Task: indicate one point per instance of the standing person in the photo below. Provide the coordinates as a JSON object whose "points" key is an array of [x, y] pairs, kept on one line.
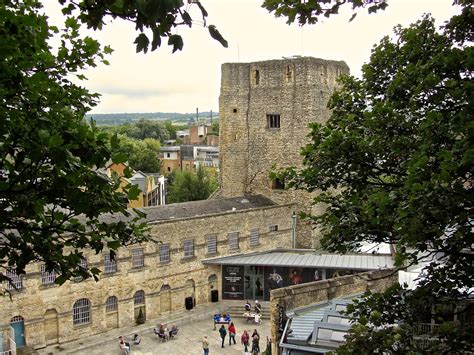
{"points": [[231, 333], [255, 342], [205, 345], [223, 333], [244, 339]]}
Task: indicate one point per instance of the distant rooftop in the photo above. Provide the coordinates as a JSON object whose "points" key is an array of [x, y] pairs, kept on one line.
{"points": [[208, 148], [172, 148]]}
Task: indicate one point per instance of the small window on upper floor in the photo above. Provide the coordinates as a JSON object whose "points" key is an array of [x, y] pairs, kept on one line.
{"points": [[254, 237], [164, 253], [15, 282], [234, 110], [289, 74], [168, 155], [169, 169], [110, 266], [138, 258], [212, 244], [233, 240], [47, 277], [256, 77], [82, 266], [273, 228], [188, 248], [273, 121]]}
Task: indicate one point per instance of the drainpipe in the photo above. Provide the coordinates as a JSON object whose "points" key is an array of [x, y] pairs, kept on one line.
{"points": [[293, 230]]}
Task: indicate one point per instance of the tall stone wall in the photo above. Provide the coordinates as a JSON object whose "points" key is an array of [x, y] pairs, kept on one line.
{"points": [[47, 310], [298, 90]]}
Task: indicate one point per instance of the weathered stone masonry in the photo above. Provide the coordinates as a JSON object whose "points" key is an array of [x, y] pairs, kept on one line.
{"points": [[297, 90]]}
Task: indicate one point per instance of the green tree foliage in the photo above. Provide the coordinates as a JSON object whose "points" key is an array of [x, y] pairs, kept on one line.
{"points": [[172, 128], [310, 12], [141, 130], [155, 20], [186, 186], [394, 164], [215, 128], [149, 129], [141, 155], [51, 194]]}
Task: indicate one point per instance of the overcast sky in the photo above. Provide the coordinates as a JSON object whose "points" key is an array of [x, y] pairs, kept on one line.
{"points": [[180, 82]]}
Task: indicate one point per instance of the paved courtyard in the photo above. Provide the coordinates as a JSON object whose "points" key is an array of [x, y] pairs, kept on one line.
{"points": [[187, 342]]}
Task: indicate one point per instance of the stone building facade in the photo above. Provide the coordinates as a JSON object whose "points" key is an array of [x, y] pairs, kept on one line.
{"points": [[154, 277], [265, 109]]}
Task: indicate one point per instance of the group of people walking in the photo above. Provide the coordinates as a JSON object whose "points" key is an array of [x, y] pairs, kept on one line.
{"points": [[246, 339]]}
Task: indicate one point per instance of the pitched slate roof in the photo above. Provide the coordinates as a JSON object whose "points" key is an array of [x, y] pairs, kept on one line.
{"points": [[199, 208]]}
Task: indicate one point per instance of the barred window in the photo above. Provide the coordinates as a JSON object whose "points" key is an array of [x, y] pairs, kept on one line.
{"points": [[273, 121], [82, 264], [111, 304], [233, 240], [139, 298], [47, 278], [110, 266], [164, 253], [212, 244], [273, 228], [188, 248], [81, 312], [16, 282], [254, 237], [138, 258]]}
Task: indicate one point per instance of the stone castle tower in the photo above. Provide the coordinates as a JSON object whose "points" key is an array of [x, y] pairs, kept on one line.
{"points": [[265, 109]]}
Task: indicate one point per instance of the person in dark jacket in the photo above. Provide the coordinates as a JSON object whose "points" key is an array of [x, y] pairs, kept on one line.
{"points": [[223, 333], [255, 342]]}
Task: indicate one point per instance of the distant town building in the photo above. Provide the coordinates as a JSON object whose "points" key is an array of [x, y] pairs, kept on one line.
{"points": [[152, 185], [189, 158], [206, 157]]}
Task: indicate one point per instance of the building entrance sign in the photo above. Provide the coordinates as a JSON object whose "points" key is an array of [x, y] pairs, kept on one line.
{"points": [[233, 282]]}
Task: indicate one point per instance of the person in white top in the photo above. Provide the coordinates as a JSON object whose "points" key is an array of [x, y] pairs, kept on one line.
{"points": [[257, 318]]}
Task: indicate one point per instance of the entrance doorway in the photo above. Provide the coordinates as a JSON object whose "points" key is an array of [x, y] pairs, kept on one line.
{"points": [[17, 323], [254, 282]]}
